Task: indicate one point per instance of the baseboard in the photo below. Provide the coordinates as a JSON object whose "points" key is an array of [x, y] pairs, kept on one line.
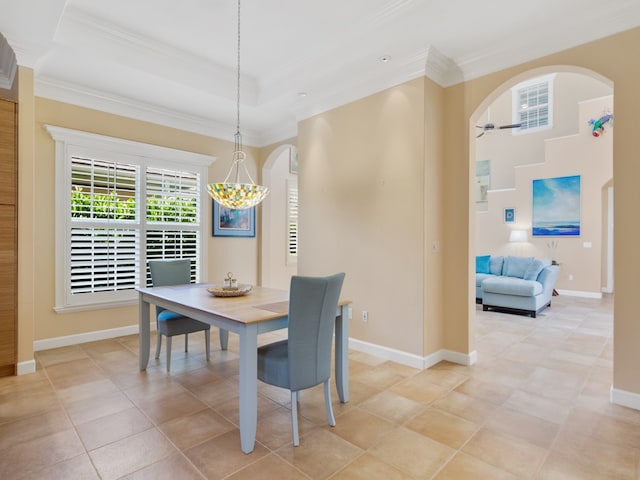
{"points": [[387, 353], [624, 398], [27, 367], [410, 359], [578, 293], [68, 340]]}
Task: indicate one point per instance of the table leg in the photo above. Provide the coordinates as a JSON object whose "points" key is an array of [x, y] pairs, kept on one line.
{"points": [[248, 386], [144, 334], [342, 354]]}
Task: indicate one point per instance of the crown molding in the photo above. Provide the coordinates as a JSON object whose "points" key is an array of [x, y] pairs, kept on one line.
{"points": [[441, 69], [83, 31], [81, 96], [8, 64]]}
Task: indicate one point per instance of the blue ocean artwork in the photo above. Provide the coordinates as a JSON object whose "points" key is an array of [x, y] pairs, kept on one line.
{"points": [[556, 207]]}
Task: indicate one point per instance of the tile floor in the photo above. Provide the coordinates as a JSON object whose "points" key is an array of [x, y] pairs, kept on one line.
{"points": [[534, 406]]}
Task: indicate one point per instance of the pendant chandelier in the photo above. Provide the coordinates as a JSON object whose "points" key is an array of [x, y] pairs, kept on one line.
{"points": [[236, 194]]}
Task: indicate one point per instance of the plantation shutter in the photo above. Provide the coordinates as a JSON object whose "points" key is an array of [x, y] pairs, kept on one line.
{"points": [[104, 236], [292, 219], [173, 203]]}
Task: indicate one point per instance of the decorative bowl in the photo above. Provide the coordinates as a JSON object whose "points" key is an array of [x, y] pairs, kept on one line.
{"points": [[220, 291]]}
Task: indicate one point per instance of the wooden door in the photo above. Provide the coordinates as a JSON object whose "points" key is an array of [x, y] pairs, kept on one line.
{"points": [[8, 239]]}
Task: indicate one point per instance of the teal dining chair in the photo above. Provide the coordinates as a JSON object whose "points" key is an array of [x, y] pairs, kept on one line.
{"points": [[170, 324], [304, 359]]}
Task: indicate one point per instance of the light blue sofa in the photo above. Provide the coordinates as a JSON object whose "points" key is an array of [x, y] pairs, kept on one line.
{"points": [[515, 284]]}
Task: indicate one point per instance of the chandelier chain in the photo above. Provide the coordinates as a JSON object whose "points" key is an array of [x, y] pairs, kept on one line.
{"points": [[238, 78]]}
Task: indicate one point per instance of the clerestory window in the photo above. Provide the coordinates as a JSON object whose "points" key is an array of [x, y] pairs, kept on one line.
{"points": [[533, 105]]}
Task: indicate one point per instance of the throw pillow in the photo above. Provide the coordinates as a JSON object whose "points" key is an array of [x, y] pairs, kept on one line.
{"points": [[533, 270], [517, 266], [495, 265], [482, 264]]}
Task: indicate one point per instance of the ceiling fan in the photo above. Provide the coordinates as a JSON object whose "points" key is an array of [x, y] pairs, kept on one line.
{"points": [[489, 127]]}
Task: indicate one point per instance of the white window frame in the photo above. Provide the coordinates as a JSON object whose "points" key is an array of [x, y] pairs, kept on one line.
{"points": [[71, 143], [292, 216], [517, 108]]}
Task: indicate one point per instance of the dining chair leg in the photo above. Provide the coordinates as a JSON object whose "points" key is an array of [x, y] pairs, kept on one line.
{"points": [[294, 419], [186, 342], [224, 339], [158, 344], [168, 353], [327, 402], [207, 342]]}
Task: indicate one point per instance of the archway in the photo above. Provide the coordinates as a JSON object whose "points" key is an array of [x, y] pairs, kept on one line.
{"points": [[278, 173], [575, 250]]}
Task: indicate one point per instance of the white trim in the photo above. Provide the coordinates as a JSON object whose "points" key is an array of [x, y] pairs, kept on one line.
{"points": [[97, 306], [70, 142], [27, 367], [581, 294], [128, 147], [412, 360], [466, 359], [624, 398], [387, 353], [78, 338]]}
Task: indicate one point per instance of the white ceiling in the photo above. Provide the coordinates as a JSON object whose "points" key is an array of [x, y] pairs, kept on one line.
{"points": [[174, 62]]}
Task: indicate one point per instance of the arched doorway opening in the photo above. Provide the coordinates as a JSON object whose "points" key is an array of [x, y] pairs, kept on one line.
{"points": [[278, 263], [514, 161]]}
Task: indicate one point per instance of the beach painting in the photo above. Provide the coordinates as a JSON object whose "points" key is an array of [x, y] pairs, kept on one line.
{"points": [[556, 207]]}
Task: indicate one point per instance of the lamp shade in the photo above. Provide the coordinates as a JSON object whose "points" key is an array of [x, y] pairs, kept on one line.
{"points": [[518, 236], [237, 195]]}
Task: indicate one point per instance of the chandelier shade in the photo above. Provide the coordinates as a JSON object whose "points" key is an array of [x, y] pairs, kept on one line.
{"points": [[238, 195]]}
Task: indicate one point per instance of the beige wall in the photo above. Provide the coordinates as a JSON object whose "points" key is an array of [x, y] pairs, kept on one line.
{"points": [[239, 255], [361, 183], [507, 151], [27, 257]]}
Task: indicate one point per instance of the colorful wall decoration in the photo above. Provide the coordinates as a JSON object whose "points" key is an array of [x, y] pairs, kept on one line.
{"points": [[556, 207]]}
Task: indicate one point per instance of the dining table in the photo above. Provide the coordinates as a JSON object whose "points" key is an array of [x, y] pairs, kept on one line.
{"points": [[261, 310]]}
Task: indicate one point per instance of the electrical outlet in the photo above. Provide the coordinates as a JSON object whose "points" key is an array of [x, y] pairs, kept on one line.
{"points": [[365, 316], [571, 276]]}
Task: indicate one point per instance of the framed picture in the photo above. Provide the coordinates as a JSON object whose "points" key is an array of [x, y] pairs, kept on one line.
{"points": [[483, 169], [509, 215], [229, 222], [556, 207]]}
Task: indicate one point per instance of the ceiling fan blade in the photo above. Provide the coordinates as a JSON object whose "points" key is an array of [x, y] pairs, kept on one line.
{"points": [[515, 125], [481, 133]]}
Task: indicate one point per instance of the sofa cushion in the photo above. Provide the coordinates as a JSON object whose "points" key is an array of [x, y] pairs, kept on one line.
{"points": [[482, 263], [481, 277], [495, 265], [512, 286], [516, 266], [533, 270]]}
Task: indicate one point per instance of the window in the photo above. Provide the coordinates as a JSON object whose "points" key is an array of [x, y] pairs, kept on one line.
{"points": [[533, 104], [118, 204], [292, 222]]}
